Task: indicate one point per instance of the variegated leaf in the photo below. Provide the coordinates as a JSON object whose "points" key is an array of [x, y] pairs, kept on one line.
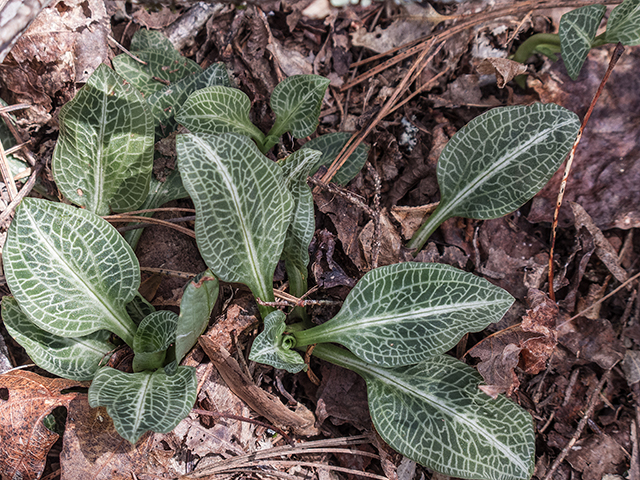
{"points": [[272, 348], [330, 145], [145, 39], [624, 24], [577, 31], [152, 339]]}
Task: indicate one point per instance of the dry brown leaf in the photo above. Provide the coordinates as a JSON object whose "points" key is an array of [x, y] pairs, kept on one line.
{"points": [[631, 366], [503, 68], [592, 340], [389, 238], [411, 218], [25, 400], [155, 20]]}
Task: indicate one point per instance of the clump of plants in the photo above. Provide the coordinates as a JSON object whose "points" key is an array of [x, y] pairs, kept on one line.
{"points": [[74, 279]]}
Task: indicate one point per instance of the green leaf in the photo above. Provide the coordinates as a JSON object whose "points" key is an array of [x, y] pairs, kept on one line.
{"points": [[104, 153], [296, 101], [72, 358], [624, 24], [145, 39], [139, 402], [166, 103], [271, 347], [296, 169], [242, 207], [218, 110], [161, 67], [159, 194], [70, 271], [330, 145], [139, 308], [402, 313], [577, 31], [196, 306], [434, 414], [154, 335], [499, 161]]}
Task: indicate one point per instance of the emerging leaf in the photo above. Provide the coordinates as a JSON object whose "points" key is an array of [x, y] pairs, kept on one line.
{"points": [[72, 358], [403, 313], [104, 155], [271, 347], [197, 303], [154, 335], [577, 31], [139, 308], [138, 402], [499, 161], [296, 101], [219, 109], [330, 145], [624, 24], [70, 271], [434, 413], [242, 207]]}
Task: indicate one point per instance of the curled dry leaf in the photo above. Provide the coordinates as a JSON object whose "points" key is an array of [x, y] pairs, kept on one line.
{"points": [[503, 68], [25, 400]]}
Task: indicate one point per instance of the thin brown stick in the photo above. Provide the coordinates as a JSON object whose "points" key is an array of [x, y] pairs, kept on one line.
{"points": [[169, 273], [321, 466], [13, 108], [126, 51], [7, 177], [617, 53], [154, 221], [591, 405], [163, 209], [21, 194]]}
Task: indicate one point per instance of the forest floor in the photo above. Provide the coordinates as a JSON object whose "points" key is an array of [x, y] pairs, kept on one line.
{"points": [[568, 373]]}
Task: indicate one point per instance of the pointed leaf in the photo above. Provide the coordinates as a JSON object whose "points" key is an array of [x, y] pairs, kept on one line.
{"points": [[296, 169], [296, 101], [197, 303], [402, 313], [72, 358], [139, 402], [624, 24], [139, 308], [434, 414], [165, 103], [242, 207], [330, 145], [154, 335], [161, 68], [577, 31], [219, 109], [70, 271], [145, 39], [104, 155], [499, 161], [272, 348]]}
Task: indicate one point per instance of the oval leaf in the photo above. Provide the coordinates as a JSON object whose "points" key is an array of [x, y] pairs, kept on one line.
{"points": [[296, 101], [499, 161], [330, 145], [434, 414], [272, 348], [242, 207], [154, 335], [197, 303], [218, 110], [624, 24], [577, 30], [70, 271], [400, 314], [104, 155], [145, 39], [139, 402], [72, 358]]}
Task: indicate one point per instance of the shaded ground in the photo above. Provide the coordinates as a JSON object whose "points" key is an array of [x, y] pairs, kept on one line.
{"points": [[566, 371]]}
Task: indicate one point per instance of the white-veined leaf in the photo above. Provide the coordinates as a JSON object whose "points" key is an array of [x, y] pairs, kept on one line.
{"points": [[145, 39], [242, 207], [104, 154], [139, 402], [139, 308], [296, 101], [499, 161], [577, 30], [70, 271], [624, 24], [196, 306], [330, 145], [400, 314], [435, 414], [272, 348], [219, 109], [72, 358], [152, 339]]}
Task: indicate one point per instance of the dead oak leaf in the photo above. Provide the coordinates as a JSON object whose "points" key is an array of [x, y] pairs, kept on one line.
{"points": [[504, 69], [25, 400]]}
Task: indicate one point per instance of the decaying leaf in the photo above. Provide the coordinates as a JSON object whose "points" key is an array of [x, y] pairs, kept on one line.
{"points": [[592, 340], [631, 366], [25, 400], [503, 68]]}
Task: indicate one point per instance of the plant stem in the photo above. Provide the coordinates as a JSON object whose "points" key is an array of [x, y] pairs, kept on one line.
{"points": [[426, 230], [529, 46], [297, 287], [599, 41], [346, 359]]}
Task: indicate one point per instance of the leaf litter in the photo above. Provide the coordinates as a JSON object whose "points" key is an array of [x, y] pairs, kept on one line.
{"points": [[547, 356]]}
